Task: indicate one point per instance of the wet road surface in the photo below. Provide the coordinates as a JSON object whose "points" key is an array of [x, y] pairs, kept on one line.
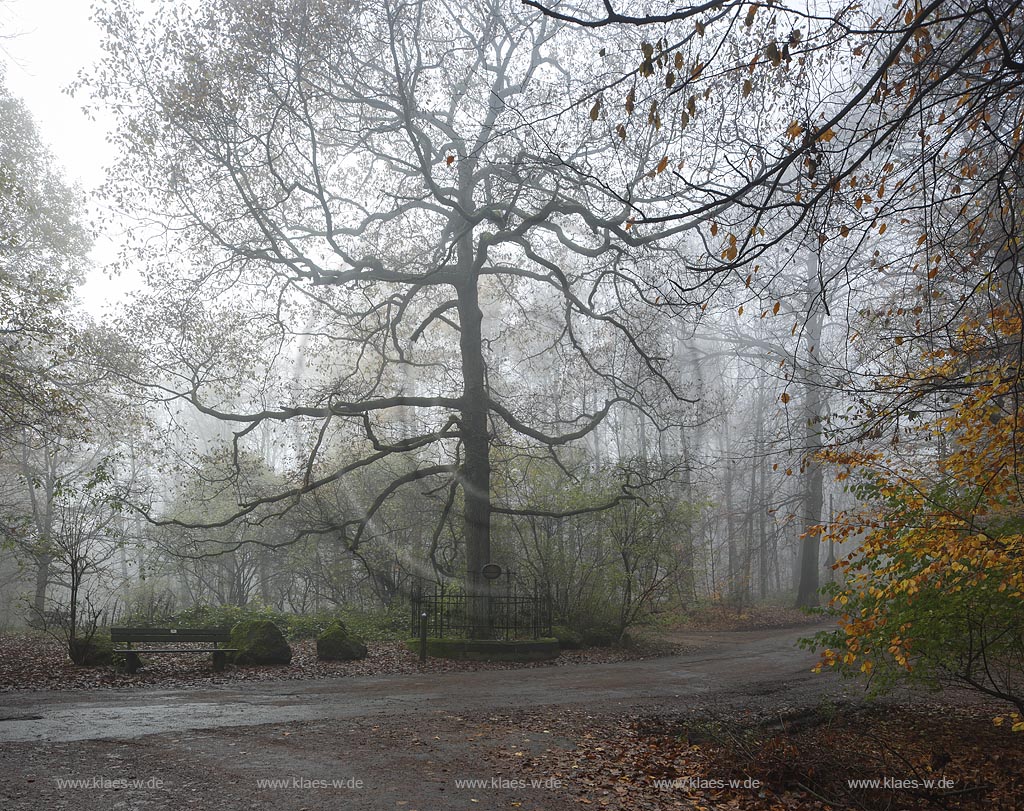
{"points": [[724, 662]]}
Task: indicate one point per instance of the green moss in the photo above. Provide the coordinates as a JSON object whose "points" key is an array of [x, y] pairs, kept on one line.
{"points": [[337, 643], [489, 650], [259, 642]]}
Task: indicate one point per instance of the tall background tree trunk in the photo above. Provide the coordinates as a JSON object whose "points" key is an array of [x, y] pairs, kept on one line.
{"points": [[807, 588]]}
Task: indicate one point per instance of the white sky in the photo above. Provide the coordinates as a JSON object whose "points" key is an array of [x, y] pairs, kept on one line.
{"points": [[46, 43]]}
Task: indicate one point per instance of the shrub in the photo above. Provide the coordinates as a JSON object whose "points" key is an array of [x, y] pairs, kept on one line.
{"points": [[600, 636], [380, 626], [568, 639], [95, 651], [215, 616]]}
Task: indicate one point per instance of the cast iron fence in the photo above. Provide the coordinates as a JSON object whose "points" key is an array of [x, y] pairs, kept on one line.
{"points": [[503, 615]]}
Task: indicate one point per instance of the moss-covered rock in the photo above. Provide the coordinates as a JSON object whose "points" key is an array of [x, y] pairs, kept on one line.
{"points": [[338, 644], [97, 651], [568, 639], [259, 642]]}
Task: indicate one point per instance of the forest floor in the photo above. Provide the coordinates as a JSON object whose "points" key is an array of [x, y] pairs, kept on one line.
{"points": [[667, 732], [40, 663], [37, 662]]}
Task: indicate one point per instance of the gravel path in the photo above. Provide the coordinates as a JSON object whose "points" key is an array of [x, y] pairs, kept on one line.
{"points": [[394, 742]]}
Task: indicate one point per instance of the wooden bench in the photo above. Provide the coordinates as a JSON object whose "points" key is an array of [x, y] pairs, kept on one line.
{"points": [[156, 636]]}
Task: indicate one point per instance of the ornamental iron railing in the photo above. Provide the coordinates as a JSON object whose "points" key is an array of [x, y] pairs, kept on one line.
{"points": [[505, 614]]}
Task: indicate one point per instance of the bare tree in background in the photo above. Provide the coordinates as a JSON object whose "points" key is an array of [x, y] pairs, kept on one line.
{"points": [[43, 247]]}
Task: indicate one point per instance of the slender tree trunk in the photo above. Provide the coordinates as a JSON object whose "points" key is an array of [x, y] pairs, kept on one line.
{"points": [[830, 561], [730, 518], [762, 535], [689, 583], [807, 589], [758, 505], [776, 563], [264, 576], [746, 584], [41, 501], [641, 437], [42, 581]]}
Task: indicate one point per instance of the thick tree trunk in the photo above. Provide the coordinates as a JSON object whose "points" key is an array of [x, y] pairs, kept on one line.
{"points": [[476, 468]]}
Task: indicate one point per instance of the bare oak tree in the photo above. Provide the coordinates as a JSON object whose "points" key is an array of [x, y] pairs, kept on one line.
{"points": [[395, 206]]}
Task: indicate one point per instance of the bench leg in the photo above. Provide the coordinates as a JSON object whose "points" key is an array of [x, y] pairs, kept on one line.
{"points": [[132, 662], [219, 658]]}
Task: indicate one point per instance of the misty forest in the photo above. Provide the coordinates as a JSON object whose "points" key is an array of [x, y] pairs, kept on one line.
{"points": [[451, 338]]}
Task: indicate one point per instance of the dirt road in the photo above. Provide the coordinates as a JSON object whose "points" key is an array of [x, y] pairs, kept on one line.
{"points": [[399, 742]]}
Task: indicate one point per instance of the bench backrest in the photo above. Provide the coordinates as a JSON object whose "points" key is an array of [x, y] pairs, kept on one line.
{"points": [[170, 634]]}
